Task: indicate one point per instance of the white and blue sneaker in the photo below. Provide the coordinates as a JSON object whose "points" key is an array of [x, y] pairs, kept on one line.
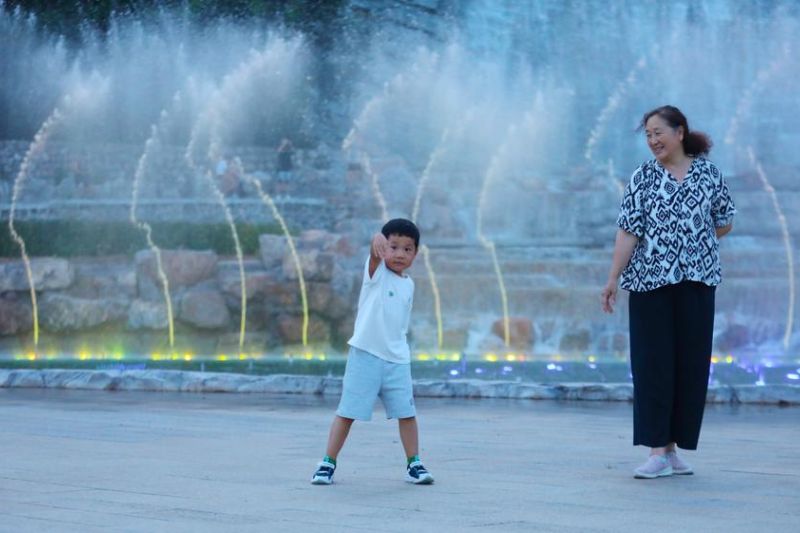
{"points": [[324, 473], [655, 466], [417, 474]]}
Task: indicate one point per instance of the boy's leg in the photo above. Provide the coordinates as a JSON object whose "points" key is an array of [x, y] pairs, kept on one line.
{"points": [[409, 435], [415, 471], [338, 434], [340, 428]]}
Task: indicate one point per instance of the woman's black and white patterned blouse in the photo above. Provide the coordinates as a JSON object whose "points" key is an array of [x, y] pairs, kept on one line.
{"points": [[675, 223]]}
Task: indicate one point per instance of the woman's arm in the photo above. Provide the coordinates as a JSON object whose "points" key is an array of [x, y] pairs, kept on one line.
{"points": [[724, 230], [623, 250]]}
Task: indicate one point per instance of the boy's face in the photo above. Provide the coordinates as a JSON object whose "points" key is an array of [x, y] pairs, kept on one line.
{"points": [[400, 253]]}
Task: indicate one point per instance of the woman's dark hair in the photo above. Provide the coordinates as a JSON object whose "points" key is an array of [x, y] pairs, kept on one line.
{"points": [[403, 228], [694, 142]]}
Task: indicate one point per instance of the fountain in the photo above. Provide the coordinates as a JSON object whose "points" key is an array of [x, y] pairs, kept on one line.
{"points": [[496, 126]]}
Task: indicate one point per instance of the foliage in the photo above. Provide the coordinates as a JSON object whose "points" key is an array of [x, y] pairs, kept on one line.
{"points": [[74, 238], [62, 17]]}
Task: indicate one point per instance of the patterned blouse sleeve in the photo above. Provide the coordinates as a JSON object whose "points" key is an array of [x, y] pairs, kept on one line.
{"points": [[631, 218], [722, 206]]}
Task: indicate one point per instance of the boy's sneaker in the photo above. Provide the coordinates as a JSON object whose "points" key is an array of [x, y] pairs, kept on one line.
{"points": [[324, 473], [655, 466], [417, 474], [679, 467]]}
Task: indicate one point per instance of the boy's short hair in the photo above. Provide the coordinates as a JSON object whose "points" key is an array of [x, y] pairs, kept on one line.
{"points": [[402, 227]]}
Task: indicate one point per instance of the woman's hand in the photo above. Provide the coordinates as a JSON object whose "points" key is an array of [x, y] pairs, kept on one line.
{"points": [[608, 297]]}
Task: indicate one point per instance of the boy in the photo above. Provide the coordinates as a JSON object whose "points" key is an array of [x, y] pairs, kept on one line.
{"points": [[379, 362]]}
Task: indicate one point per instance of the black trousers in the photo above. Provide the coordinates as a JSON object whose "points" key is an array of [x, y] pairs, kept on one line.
{"points": [[671, 331]]}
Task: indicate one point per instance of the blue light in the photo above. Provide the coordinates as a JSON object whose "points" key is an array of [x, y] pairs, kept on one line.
{"points": [[792, 376], [454, 372]]}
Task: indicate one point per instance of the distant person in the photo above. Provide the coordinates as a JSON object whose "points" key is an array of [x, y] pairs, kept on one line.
{"points": [[228, 176], [379, 362], [674, 211], [285, 164]]}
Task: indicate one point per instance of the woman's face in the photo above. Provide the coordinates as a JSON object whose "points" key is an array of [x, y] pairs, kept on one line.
{"points": [[664, 141]]}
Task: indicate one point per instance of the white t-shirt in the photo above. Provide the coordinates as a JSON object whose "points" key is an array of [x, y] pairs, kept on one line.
{"points": [[384, 311]]}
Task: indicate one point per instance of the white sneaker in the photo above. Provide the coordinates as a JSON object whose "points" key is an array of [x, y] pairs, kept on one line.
{"points": [[324, 473], [655, 466], [417, 474], [679, 467]]}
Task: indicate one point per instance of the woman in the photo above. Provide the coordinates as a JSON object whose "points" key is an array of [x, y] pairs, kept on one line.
{"points": [[675, 209]]}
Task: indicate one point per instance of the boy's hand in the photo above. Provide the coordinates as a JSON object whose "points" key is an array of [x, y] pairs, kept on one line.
{"points": [[378, 249], [377, 252]]}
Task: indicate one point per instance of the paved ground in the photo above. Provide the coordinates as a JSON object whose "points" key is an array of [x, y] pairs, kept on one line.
{"points": [[93, 461]]}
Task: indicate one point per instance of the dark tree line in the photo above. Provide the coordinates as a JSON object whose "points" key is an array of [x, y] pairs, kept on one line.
{"points": [[319, 19]]}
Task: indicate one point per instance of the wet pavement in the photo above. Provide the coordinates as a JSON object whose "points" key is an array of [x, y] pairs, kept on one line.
{"points": [[133, 461]]}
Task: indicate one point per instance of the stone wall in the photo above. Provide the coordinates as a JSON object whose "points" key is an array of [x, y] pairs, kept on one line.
{"points": [[108, 304]]}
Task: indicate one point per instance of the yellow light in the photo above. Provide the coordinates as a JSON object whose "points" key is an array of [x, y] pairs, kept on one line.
{"points": [[321, 357], [423, 357], [83, 355], [187, 357], [31, 356], [441, 357], [308, 356], [729, 359], [222, 357], [455, 357], [491, 357], [592, 359], [714, 359], [155, 356], [557, 357]]}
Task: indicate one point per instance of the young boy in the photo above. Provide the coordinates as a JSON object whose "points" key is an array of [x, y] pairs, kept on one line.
{"points": [[379, 362]]}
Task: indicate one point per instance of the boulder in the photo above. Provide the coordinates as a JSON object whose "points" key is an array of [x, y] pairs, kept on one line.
{"points": [[48, 273], [316, 265], [204, 308], [183, 268], [272, 249], [61, 312], [147, 315], [290, 329], [16, 314], [255, 283], [520, 331]]}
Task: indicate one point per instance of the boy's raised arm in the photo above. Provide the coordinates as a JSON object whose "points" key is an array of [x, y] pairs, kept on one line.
{"points": [[376, 252]]}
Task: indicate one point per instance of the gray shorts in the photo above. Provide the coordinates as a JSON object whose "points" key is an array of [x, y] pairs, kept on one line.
{"points": [[367, 377]]}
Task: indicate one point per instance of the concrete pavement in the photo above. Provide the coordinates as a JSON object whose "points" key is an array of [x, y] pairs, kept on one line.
{"points": [[134, 461]]}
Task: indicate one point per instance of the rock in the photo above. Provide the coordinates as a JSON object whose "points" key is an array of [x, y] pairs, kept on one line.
{"points": [[48, 273], [575, 341], [315, 265], [183, 268], [520, 331], [204, 308], [16, 315], [733, 337], [272, 249], [60, 312], [255, 283], [290, 329], [144, 314], [100, 277]]}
